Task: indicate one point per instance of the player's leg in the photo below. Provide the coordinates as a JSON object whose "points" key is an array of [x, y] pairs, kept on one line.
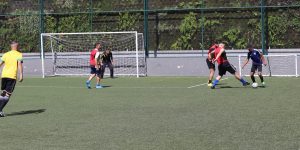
{"points": [[252, 72], [103, 70], [111, 69], [99, 73], [231, 69], [211, 75], [4, 98], [222, 71], [93, 74], [7, 87], [259, 70], [211, 68]]}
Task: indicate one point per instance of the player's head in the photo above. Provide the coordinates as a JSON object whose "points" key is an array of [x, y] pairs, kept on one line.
{"points": [[107, 50], [250, 47], [222, 45], [98, 45], [14, 45]]}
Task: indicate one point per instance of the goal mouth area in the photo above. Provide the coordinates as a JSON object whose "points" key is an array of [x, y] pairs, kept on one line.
{"points": [[278, 65], [69, 53]]}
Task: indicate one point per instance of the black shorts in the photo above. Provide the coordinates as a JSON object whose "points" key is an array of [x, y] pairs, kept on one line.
{"points": [[95, 71], [8, 84], [226, 66], [210, 65], [256, 67]]}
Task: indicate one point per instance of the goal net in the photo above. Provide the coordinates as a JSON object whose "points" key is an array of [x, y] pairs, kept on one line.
{"points": [[67, 54], [277, 65]]}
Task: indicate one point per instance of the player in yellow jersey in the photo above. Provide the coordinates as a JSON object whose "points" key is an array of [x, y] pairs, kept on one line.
{"points": [[12, 62]]}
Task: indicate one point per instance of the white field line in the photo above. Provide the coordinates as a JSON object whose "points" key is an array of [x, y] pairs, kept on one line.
{"points": [[203, 84], [77, 87]]}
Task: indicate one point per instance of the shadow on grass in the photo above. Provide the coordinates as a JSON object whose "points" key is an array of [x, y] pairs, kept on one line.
{"points": [[230, 87], [106, 86], [27, 112]]}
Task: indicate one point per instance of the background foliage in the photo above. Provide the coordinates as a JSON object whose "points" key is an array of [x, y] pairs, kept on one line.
{"points": [[172, 24]]}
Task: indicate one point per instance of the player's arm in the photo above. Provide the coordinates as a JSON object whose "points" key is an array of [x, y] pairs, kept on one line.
{"points": [[111, 58], [20, 67], [263, 59], [219, 54], [246, 61], [97, 65], [2, 62]]}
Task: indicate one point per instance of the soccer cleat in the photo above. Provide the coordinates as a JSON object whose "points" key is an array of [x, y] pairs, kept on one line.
{"points": [[209, 84], [213, 87], [263, 84], [246, 83], [88, 84], [2, 114], [98, 86]]}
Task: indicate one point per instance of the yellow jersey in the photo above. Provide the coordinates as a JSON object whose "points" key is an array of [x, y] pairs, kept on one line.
{"points": [[10, 60]]}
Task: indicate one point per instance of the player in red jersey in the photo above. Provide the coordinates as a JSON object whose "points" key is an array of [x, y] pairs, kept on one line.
{"points": [[211, 66], [224, 66], [95, 64]]}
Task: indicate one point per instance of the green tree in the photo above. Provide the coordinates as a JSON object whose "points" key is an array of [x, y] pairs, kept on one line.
{"points": [[187, 30], [127, 22]]}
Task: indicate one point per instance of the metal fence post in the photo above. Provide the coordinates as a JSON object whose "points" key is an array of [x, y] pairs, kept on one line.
{"points": [[42, 29], [91, 15], [146, 28], [263, 24]]}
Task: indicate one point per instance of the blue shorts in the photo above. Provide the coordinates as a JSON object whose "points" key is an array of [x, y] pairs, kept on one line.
{"points": [[95, 71]]}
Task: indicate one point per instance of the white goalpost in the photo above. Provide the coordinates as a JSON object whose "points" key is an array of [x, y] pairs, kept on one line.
{"points": [[68, 54], [277, 65]]}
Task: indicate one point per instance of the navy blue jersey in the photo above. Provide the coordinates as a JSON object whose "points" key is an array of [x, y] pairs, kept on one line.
{"points": [[255, 56]]}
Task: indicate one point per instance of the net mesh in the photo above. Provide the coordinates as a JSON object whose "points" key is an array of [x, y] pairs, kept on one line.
{"points": [[69, 54], [277, 65]]}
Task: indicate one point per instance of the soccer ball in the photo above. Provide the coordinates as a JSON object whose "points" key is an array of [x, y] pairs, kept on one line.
{"points": [[254, 85]]}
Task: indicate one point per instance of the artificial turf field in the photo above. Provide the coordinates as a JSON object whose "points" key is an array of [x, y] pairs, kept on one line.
{"points": [[157, 113]]}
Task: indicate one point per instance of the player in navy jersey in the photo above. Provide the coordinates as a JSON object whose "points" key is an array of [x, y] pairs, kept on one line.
{"points": [[257, 60]]}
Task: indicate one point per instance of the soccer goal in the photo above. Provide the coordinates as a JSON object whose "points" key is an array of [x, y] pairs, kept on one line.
{"points": [[67, 54], [277, 65]]}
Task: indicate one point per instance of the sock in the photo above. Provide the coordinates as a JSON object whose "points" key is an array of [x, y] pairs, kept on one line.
{"points": [[88, 81], [215, 82], [3, 101], [253, 79], [243, 81], [261, 78], [209, 81]]}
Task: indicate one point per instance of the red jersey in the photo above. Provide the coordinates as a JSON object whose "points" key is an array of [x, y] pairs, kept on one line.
{"points": [[92, 57], [212, 48], [222, 58]]}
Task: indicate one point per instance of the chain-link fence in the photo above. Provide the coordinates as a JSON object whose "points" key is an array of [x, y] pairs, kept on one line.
{"points": [[166, 24]]}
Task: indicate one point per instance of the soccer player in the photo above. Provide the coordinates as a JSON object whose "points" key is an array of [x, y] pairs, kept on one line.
{"points": [[12, 62], [211, 66], [257, 60], [95, 64], [107, 60], [224, 66]]}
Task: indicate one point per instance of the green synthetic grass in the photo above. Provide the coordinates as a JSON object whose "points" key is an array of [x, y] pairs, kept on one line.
{"points": [[157, 113]]}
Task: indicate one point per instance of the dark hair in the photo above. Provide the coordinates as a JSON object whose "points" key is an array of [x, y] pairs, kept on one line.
{"points": [[97, 44], [249, 46], [13, 42]]}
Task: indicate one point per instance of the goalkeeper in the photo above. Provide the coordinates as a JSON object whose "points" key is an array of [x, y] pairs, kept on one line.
{"points": [[107, 60], [95, 64], [257, 60]]}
